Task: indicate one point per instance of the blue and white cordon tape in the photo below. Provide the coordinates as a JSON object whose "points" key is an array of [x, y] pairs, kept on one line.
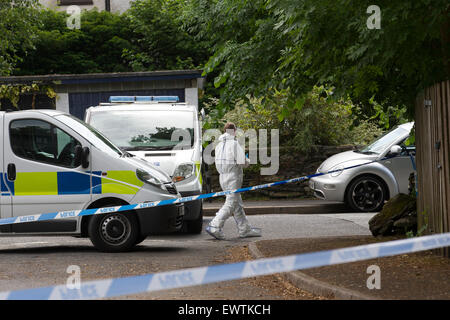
{"points": [[203, 275], [143, 205]]}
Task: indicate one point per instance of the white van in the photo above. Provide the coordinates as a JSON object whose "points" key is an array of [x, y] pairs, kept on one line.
{"points": [[163, 132], [54, 162]]}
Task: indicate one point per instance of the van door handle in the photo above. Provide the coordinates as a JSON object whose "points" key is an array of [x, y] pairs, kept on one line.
{"points": [[11, 172]]}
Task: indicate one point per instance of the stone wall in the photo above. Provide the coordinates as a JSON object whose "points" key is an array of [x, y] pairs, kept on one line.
{"points": [[292, 164]]}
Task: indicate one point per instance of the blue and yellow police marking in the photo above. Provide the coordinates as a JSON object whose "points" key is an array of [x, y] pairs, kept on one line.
{"points": [[71, 183], [36, 183], [198, 171], [129, 177], [7, 187]]}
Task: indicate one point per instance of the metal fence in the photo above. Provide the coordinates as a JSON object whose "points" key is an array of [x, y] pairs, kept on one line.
{"points": [[433, 159]]}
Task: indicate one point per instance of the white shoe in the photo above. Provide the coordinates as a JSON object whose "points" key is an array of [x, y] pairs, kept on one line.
{"points": [[252, 232], [215, 232]]}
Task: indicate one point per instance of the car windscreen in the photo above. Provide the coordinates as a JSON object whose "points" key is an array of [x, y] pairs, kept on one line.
{"points": [[90, 134], [380, 145], [146, 129]]}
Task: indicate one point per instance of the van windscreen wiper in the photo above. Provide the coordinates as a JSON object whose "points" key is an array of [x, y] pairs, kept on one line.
{"points": [[147, 148]]}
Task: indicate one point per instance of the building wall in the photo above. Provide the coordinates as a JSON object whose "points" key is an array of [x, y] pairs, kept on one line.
{"points": [[79, 102], [120, 5], [191, 96], [53, 4], [62, 102], [76, 98], [116, 5]]}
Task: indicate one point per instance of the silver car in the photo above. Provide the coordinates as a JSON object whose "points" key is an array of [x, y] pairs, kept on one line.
{"points": [[367, 187]]}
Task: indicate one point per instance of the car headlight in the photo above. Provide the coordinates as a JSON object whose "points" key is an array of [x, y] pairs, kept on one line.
{"points": [[148, 178], [183, 171], [337, 170], [320, 167]]}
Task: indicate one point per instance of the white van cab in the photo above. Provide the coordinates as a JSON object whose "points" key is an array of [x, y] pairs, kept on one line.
{"points": [[163, 132], [54, 162]]}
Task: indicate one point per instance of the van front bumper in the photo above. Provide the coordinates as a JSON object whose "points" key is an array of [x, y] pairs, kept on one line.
{"points": [[193, 208], [161, 220]]}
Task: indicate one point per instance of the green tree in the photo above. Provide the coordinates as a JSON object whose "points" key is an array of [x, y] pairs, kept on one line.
{"points": [[18, 21], [96, 47], [246, 47], [309, 126], [330, 42], [263, 45], [159, 42], [148, 36]]}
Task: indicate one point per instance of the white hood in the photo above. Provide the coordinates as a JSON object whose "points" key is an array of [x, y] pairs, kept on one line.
{"points": [[153, 170], [165, 160], [226, 136], [344, 157]]}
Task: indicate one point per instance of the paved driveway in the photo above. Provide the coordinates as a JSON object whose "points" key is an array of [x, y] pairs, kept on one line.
{"points": [[41, 261]]}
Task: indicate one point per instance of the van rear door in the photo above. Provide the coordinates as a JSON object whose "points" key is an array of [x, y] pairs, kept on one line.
{"points": [[6, 186]]}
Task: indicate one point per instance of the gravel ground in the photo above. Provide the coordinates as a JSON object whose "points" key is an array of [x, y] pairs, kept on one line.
{"points": [[421, 275]]}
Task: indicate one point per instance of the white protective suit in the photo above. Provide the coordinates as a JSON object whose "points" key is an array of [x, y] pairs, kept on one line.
{"points": [[230, 159]]}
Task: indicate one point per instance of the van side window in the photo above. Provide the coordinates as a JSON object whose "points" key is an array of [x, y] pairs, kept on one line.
{"points": [[41, 141]]}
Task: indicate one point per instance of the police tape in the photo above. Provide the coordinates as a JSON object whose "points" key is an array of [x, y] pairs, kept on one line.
{"points": [[109, 288], [143, 205]]}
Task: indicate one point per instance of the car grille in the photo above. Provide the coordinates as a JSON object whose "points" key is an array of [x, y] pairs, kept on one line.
{"points": [[170, 187]]}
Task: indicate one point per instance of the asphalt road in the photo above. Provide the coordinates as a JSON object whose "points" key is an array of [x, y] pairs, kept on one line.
{"points": [[27, 262]]}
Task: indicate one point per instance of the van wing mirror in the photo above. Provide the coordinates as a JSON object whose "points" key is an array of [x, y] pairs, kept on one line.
{"points": [[85, 157], [78, 155]]}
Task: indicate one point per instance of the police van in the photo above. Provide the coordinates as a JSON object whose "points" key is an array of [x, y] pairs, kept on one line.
{"points": [[162, 131], [53, 162]]}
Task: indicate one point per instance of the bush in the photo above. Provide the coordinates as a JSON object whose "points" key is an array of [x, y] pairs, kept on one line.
{"points": [[96, 47], [320, 120]]}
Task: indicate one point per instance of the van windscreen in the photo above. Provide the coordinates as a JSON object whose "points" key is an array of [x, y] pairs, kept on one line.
{"points": [[146, 129]]}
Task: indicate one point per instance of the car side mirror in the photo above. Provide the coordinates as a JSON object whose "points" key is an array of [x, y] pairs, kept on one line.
{"points": [[78, 155], [85, 157], [395, 150]]}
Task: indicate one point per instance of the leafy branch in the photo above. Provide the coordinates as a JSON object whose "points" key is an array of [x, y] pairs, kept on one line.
{"points": [[13, 92]]}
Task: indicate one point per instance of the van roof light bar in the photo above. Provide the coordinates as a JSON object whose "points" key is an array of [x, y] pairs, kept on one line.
{"points": [[129, 99]]}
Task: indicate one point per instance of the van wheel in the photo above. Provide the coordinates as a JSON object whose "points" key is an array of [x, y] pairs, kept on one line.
{"points": [[116, 232]]}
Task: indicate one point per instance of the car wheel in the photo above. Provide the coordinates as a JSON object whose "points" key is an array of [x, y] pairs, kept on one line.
{"points": [[116, 232], [367, 194], [193, 226]]}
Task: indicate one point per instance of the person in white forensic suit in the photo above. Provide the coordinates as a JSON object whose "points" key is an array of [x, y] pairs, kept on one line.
{"points": [[230, 160]]}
